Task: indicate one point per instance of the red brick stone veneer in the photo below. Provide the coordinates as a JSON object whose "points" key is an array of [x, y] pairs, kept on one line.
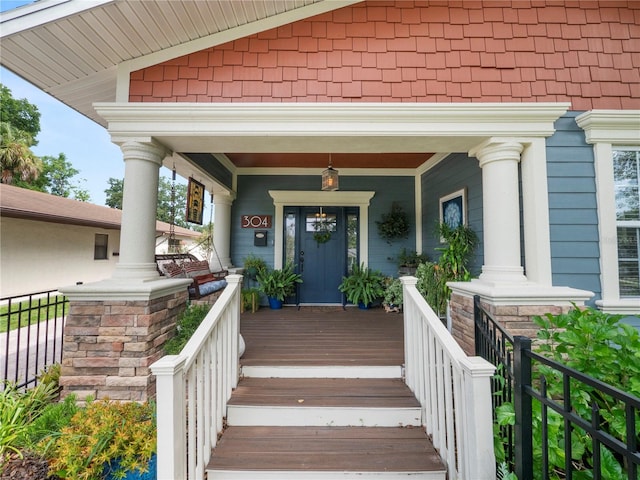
{"points": [[586, 53], [516, 319], [109, 346]]}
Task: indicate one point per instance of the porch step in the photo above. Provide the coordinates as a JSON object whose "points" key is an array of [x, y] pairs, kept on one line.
{"points": [[320, 453], [359, 402]]}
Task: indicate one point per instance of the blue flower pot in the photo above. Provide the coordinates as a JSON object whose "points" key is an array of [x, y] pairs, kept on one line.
{"points": [[363, 306], [274, 303], [150, 474]]}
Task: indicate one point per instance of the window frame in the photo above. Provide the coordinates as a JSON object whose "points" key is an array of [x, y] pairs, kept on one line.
{"points": [[96, 246], [609, 130]]}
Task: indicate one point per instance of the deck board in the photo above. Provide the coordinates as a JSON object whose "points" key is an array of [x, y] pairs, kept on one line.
{"points": [[328, 392], [354, 449], [319, 336]]}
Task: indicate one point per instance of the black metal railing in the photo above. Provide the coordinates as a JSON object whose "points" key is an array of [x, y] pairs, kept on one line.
{"points": [[621, 440], [517, 364], [495, 344], [31, 339]]}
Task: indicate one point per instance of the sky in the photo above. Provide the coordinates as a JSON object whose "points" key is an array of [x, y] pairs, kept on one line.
{"points": [[86, 144]]}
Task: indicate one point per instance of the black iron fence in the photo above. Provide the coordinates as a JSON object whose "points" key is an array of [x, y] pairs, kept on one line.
{"points": [[603, 443], [493, 343], [31, 328]]}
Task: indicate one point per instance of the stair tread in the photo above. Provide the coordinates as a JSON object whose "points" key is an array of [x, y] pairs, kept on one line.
{"points": [[324, 392], [365, 449]]}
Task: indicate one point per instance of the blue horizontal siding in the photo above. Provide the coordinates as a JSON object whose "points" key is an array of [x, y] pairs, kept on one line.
{"points": [[254, 198], [456, 172], [573, 215]]}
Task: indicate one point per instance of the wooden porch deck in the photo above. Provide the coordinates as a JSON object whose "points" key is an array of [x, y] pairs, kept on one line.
{"points": [[323, 336], [318, 421]]}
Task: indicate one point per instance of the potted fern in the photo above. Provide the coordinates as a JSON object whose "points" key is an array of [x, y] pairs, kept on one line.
{"points": [[362, 286], [278, 284]]}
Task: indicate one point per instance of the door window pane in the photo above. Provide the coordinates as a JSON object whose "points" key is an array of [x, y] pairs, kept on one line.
{"points": [[289, 237], [352, 240]]}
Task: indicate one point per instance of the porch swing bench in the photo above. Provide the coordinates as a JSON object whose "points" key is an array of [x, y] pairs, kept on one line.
{"points": [[185, 265]]}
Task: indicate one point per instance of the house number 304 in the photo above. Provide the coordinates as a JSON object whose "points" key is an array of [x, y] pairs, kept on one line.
{"points": [[256, 221]]}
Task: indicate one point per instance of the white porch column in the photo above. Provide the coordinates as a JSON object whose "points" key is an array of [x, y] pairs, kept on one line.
{"points": [[501, 210], [139, 204], [222, 227]]}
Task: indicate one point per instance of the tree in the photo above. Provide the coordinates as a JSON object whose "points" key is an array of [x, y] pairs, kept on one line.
{"points": [[21, 114], [114, 193], [163, 212], [17, 161], [56, 179]]}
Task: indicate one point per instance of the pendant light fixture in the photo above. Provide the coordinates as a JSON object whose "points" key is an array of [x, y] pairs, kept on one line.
{"points": [[330, 178]]}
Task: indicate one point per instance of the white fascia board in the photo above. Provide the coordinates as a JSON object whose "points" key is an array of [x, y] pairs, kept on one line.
{"points": [[362, 119], [611, 126], [43, 12]]}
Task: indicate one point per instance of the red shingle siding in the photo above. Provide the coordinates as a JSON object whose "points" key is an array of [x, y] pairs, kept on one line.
{"points": [[587, 53]]}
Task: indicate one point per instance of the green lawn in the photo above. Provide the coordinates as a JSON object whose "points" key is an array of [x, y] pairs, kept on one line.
{"points": [[40, 310]]}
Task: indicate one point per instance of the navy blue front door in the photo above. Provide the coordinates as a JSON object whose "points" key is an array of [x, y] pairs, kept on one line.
{"points": [[317, 242]]}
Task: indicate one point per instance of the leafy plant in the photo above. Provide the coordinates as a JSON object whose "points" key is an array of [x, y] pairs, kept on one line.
{"points": [[363, 285], [188, 322], [41, 432], [18, 408], [598, 345], [450, 267], [393, 296], [254, 265], [51, 375], [394, 224], [105, 436], [250, 299], [411, 258], [278, 283]]}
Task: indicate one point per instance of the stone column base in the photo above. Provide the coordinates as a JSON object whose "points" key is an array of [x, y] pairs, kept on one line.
{"points": [[109, 345], [512, 306]]}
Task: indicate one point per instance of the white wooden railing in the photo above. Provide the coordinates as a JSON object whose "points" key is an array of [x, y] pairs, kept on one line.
{"points": [[192, 389], [453, 389]]}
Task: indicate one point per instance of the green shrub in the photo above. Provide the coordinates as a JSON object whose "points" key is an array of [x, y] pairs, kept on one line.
{"points": [[18, 408], [188, 322], [601, 346], [42, 432]]}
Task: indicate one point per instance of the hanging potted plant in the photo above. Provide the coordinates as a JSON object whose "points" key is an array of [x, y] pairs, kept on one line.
{"points": [[394, 225], [278, 284], [362, 286]]}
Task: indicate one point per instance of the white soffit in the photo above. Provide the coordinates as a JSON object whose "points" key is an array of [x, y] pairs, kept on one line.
{"points": [[72, 49]]}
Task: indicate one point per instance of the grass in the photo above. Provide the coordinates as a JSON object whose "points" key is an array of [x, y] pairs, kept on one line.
{"points": [[34, 311]]}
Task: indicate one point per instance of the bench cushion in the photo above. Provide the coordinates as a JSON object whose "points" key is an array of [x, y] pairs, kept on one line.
{"points": [[209, 287]]}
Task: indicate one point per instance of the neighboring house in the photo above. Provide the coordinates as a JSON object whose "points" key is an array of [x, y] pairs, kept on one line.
{"points": [[47, 242]]}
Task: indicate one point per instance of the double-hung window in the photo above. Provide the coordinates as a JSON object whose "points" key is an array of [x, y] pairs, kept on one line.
{"points": [[615, 137], [626, 173]]}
